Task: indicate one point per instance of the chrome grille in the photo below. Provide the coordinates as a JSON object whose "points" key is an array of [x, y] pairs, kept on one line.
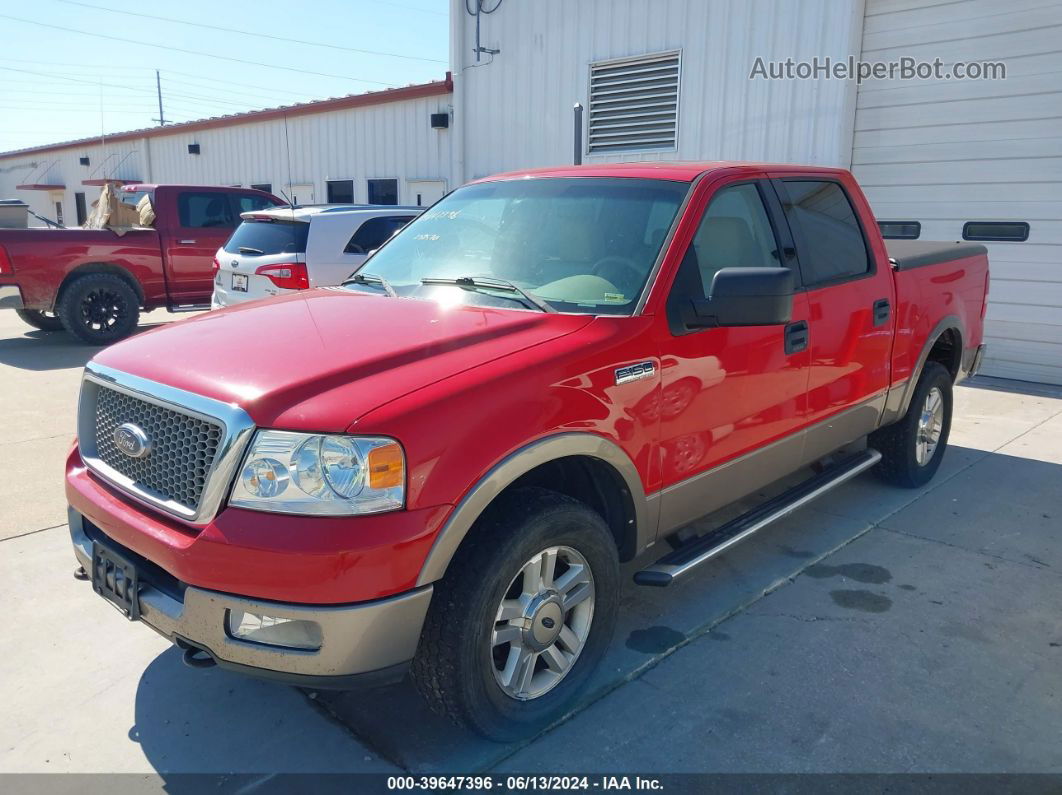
{"points": [[183, 447]]}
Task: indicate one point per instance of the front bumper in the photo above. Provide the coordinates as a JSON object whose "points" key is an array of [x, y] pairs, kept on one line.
{"points": [[367, 643], [10, 296]]}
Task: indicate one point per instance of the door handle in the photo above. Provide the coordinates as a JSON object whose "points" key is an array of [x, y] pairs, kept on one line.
{"points": [[187, 242], [796, 337], [881, 311]]}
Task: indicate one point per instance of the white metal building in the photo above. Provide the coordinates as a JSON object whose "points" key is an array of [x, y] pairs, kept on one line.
{"points": [[379, 146], [670, 79]]}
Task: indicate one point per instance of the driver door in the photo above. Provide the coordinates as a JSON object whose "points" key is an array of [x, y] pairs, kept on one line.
{"points": [[734, 399]]}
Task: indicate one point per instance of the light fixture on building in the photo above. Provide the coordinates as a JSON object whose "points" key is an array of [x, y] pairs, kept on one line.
{"points": [[193, 149]]}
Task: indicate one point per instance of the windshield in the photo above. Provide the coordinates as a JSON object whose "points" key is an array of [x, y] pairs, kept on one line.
{"points": [[581, 244]]}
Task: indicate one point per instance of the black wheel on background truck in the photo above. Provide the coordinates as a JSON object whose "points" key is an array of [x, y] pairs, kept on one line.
{"points": [[522, 617], [913, 448], [99, 308], [45, 321]]}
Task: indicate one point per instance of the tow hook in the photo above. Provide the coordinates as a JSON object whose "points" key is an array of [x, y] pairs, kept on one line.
{"points": [[197, 658]]}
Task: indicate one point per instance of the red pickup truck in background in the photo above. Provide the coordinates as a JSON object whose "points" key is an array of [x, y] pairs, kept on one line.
{"points": [[94, 283], [441, 464]]}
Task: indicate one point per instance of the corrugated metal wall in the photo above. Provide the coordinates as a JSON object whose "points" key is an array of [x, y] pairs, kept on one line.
{"points": [[517, 108], [389, 140], [944, 152]]}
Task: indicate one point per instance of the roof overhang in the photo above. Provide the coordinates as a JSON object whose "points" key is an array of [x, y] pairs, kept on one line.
{"points": [[40, 186], [101, 182]]}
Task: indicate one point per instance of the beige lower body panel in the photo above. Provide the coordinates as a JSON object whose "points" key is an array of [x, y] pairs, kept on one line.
{"points": [[709, 491], [356, 639]]}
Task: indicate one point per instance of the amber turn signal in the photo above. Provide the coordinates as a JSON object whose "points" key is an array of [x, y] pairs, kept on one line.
{"points": [[387, 467]]}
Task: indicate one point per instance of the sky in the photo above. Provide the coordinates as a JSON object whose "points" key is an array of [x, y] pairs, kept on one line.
{"points": [[58, 85]]}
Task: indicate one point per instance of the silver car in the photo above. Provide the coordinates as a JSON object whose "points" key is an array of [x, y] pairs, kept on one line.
{"points": [[285, 249]]}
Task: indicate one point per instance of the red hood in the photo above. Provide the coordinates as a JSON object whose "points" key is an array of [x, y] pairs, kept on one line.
{"points": [[319, 360]]}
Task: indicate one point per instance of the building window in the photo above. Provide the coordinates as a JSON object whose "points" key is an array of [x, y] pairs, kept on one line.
{"points": [[80, 208], [900, 230], [383, 191], [340, 191], [266, 186], [1000, 231], [59, 213], [634, 103]]}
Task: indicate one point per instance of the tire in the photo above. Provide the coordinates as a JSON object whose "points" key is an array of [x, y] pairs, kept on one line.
{"points": [[45, 321], [99, 308], [908, 459], [463, 659]]}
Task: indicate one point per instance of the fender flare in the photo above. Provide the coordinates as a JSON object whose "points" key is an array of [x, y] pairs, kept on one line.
{"points": [[520, 462], [899, 396]]}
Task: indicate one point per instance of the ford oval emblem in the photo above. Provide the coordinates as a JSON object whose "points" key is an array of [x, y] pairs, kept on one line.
{"points": [[132, 440]]}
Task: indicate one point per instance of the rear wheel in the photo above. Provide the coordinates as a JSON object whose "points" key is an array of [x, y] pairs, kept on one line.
{"points": [[45, 321], [913, 448], [99, 308], [523, 616]]}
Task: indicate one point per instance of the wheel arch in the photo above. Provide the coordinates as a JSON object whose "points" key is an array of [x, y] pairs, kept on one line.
{"points": [[89, 268], [589, 467], [944, 344]]}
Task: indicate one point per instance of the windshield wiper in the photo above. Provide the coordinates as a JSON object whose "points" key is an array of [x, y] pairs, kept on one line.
{"points": [[372, 279], [492, 283], [249, 250]]}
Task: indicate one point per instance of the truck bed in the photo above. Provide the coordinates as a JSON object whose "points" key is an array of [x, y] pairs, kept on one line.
{"points": [[908, 254]]}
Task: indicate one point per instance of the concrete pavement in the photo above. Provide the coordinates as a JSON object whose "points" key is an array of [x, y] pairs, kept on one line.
{"points": [[878, 630]]}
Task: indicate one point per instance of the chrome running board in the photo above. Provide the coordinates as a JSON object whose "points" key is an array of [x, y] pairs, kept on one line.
{"points": [[703, 548]]}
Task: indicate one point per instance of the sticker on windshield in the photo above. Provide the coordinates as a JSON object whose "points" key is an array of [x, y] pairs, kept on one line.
{"points": [[615, 298]]}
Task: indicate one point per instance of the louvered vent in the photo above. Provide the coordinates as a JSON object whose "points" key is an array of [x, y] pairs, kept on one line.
{"points": [[634, 103]]}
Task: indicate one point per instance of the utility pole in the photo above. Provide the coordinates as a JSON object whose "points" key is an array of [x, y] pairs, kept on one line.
{"points": [[158, 87]]}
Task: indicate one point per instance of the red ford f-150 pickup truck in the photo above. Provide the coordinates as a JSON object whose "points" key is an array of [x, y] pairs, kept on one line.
{"points": [[443, 462], [94, 283]]}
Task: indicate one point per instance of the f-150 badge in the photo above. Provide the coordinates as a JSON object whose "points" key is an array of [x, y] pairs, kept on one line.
{"points": [[635, 372]]}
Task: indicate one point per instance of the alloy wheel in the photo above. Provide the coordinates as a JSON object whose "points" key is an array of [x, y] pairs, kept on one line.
{"points": [[542, 623]]}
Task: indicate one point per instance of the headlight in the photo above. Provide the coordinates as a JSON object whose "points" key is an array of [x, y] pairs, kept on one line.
{"points": [[324, 474]]}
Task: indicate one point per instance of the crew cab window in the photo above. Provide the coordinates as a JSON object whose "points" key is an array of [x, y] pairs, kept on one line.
{"points": [[249, 203], [734, 233], [204, 210], [831, 241], [375, 232]]}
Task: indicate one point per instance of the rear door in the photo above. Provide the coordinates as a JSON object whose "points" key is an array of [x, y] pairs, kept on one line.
{"points": [[850, 306], [338, 247], [203, 222]]}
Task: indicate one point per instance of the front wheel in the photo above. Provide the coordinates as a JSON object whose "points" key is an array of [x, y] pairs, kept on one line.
{"points": [[523, 616], [99, 308], [913, 448], [45, 321]]}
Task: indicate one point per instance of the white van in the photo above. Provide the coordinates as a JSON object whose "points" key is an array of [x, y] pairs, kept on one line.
{"points": [[284, 249]]}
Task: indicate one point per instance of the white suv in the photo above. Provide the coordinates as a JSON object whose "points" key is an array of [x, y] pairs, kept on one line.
{"points": [[285, 249]]}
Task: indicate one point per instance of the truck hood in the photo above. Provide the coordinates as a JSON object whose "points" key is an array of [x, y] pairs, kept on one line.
{"points": [[321, 359]]}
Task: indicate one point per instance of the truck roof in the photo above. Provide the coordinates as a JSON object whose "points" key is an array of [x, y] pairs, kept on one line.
{"points": [[682, 171]]}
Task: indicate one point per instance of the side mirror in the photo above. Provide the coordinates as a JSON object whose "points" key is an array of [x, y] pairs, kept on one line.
{"points": [[746, 297]]}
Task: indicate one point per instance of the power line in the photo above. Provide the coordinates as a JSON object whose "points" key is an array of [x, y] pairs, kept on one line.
{"points": [[248, 33], [200, 53], [212, 81]]}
